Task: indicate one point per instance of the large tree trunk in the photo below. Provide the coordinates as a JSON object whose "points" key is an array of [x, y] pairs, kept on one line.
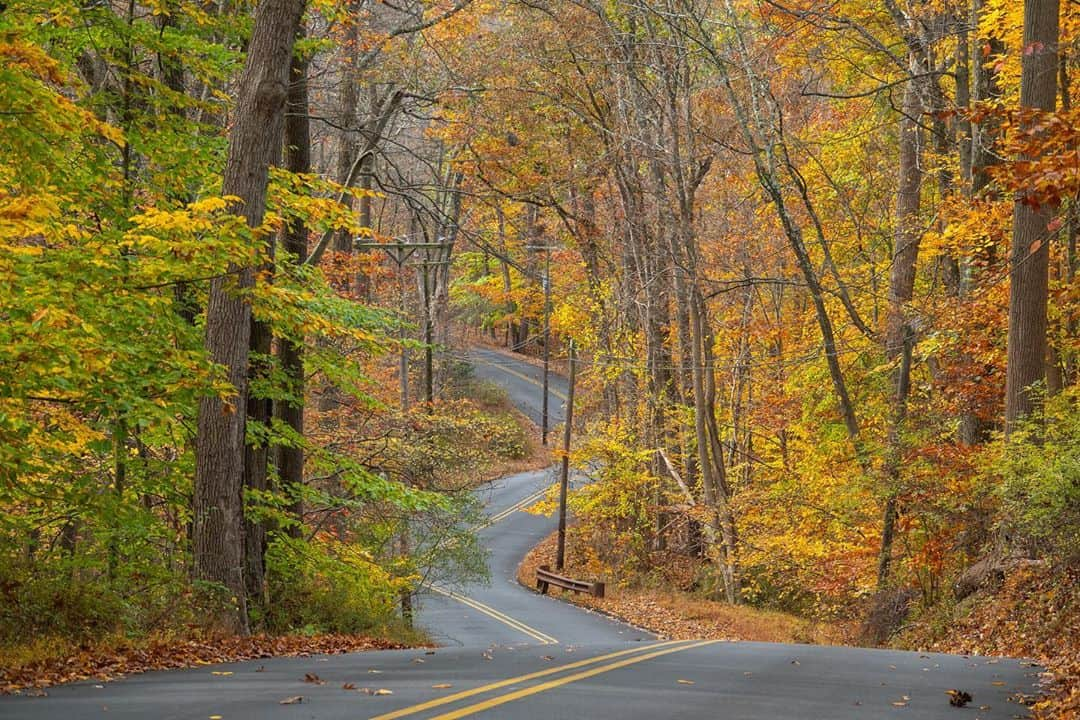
{"points": [[1029, 259], [254, 140]]}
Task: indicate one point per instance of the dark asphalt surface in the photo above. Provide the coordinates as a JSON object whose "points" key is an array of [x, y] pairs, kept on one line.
{"points": [[598, 668]]}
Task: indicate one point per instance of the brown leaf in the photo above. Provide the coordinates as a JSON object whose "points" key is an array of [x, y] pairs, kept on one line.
{"points": [[383, 691], [348, 686], [313, 679], [959, 698], [441, 686], [685, 682], [294, 700]]}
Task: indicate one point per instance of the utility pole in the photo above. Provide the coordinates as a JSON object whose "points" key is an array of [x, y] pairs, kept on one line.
{"points": [[429, 365], [564, 480], [400, 252], [544, 417], [547, 341]]}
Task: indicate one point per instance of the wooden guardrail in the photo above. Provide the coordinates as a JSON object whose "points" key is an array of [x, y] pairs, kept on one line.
{"points": [[546, 578]]}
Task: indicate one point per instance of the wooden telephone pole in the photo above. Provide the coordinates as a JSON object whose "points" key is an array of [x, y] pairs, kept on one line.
{"points": [[400, 252], [544, 417], [564, 478]]}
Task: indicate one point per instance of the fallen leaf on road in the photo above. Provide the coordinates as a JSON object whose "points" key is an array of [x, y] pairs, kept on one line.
{"points": [[430, 652], [373, 671], [958, 698], [223, 673], [685, 682], [383, 691], [294, 700], [313, 679], [418, 660], [441, 686], [215, 717], [899, 703], [348, 686], [998, 683]]}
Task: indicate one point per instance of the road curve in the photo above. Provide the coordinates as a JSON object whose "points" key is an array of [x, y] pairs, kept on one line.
{"points": [[509, 653]]}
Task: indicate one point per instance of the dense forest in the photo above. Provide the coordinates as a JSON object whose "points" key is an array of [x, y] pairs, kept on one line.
{"points": [[816, 259]]}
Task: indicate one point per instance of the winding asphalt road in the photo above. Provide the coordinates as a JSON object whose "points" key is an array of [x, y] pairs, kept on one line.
{"points": [[509, 653]]}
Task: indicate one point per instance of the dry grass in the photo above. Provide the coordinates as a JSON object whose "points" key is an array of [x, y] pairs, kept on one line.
{"points": [[681, 615]]}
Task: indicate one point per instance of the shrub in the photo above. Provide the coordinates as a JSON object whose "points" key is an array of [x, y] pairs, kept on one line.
{"points": [[328, 587], [1040, 472]]}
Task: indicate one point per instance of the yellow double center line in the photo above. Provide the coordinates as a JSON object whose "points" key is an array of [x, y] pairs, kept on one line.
{"points": [[542, 638], [519, 505], [637, 655], [491, 612], [524, 377]]}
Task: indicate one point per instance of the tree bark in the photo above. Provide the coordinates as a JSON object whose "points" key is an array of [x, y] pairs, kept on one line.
{"points": [[973, 428], [1029, 259], [290, 458], [907, 238], [254, 140]]}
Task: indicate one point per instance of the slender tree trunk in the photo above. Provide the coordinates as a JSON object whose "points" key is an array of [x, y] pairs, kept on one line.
{"points": [[907, 238], [1070, 366], [710, 464], [254, 140], [290, 458], [347, 119], [256, 459], [973, 428], [1030, 256]]}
